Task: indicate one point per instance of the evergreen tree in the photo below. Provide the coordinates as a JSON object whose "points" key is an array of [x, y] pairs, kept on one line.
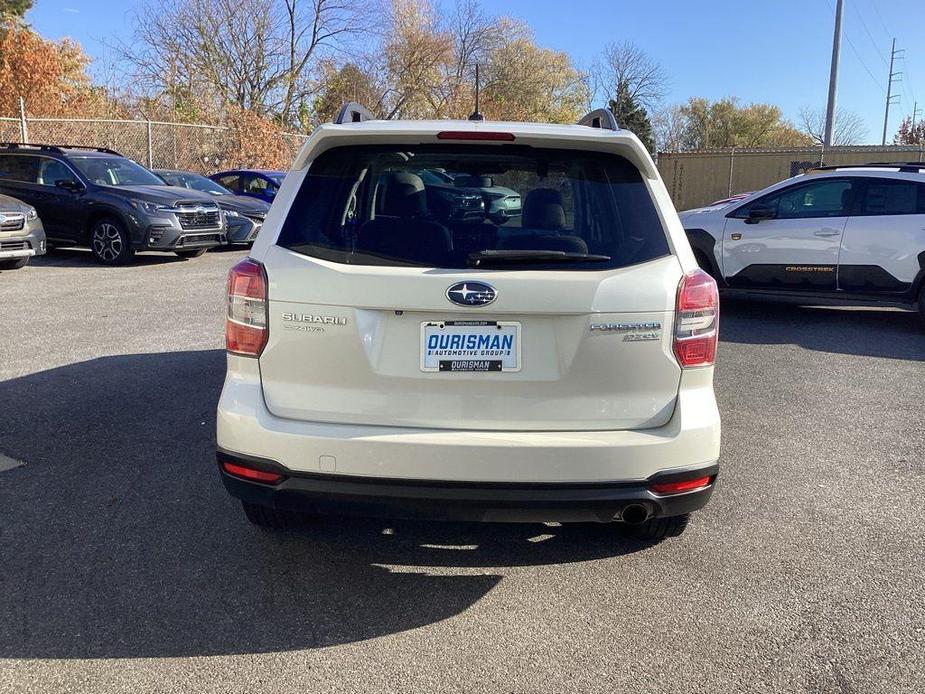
{"points": [[632, 116]]}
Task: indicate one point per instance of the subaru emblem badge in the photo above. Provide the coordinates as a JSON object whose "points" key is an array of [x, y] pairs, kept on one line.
{"points": [[471, 294]]}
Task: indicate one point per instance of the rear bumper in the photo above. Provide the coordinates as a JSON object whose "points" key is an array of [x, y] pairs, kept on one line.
{"points": [[245, 427], [465, 501]]}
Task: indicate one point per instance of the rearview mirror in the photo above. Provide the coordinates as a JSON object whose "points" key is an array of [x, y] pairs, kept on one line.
{"points": [[756, 214]]}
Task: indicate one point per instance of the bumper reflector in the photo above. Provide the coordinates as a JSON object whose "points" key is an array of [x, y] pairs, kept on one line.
{"points": [[251, 474], [679, 487]]}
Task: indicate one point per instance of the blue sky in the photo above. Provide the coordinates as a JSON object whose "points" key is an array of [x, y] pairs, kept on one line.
{"points": [[774, 51]]}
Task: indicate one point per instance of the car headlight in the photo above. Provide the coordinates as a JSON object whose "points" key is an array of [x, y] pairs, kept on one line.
{"points": [[30, 213], [147, 207], [231, 213]]}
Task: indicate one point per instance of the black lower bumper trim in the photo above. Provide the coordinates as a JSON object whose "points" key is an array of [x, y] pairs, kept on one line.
{"points": [[458, 501]]}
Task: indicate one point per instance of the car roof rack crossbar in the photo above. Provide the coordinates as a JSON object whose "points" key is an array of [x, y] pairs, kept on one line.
{"points": [[352, 112], [56, 148], [903, 166], [600, 118]]}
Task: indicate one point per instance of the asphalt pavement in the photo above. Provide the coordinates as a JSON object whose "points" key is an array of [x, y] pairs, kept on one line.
{"points": [[125, 567]]}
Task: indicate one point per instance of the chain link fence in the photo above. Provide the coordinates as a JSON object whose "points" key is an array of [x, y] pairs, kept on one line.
{"points": [[158, 145]]}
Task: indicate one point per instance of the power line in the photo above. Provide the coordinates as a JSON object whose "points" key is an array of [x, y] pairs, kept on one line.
{"points": [[869, 35], [909, 80], [886, 31], [861, 61]]}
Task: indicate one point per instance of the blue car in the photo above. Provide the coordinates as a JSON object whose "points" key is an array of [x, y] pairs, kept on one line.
{"points": [[255, 183]]}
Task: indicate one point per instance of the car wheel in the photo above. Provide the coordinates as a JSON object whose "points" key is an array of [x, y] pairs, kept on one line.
{"points": [[191, 254], [657, 529], [13, 263], [110, 243], [271, 518]]}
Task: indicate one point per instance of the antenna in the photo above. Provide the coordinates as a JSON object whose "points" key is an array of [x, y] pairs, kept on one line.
{"points": [[475, 114]]}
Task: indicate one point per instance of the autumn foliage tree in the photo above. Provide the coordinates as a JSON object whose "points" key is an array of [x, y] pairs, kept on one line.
{"points": [[14, 9], [50, 75], [425, 68], [254, 141], [910, 133], [725, 123]]}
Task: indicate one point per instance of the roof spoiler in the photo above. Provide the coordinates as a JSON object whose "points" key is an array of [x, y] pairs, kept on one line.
{"points": [[600, 118], [352, 112]]}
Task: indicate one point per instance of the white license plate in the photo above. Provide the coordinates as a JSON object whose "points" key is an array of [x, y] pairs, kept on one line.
{"points": [[470, 346]]}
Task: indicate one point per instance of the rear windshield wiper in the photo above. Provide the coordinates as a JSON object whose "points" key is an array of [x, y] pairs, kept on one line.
{"points": [[527, 257]]}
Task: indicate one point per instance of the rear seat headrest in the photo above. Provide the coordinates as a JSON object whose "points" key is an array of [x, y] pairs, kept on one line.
{"points": [[543, 210], [404, 195]]}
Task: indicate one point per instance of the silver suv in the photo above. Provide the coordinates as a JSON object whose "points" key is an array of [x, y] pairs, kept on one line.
{"points": [[21, 233]]}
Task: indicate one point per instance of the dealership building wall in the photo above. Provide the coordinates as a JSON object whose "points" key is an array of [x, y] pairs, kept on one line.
{"points": [[698, 178]]}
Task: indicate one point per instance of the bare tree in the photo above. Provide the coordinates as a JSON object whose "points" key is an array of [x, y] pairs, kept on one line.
{"points": [[207, 54], [476, 37], [670, 126], [849, 126], [627, 66], [417, 52]]}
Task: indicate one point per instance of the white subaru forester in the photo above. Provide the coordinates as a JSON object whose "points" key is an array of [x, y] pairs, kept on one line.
{"points": [[395, 349]]}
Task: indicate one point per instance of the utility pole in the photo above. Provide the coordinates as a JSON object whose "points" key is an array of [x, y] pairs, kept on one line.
{"points": [[915, 114], [889, 88], [833, 76]]}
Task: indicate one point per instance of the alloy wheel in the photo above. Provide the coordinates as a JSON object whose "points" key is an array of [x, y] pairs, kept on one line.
{"points": [[107, 241]]}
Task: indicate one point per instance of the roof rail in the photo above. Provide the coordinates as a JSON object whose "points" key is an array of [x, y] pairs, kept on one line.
{"points": [[56, 148], [352, 112], [600, 118], [903, 166]]}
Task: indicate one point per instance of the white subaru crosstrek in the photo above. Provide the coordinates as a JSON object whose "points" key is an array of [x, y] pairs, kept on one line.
{"points": [[836, 234], [395, 350]]}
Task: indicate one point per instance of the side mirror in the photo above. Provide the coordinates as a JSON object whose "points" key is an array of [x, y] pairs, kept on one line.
{"points": [[67, 184], [270, 192], [757, 214]]}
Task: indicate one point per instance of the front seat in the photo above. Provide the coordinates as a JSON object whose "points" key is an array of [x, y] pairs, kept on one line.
{"points": [[401, 229], [544, 214]]}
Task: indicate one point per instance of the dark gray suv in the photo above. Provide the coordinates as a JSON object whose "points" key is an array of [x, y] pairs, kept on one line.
{"points": [[98, 198]]}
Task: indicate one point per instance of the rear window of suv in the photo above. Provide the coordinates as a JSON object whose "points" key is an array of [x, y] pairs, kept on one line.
{"points": [[452, 206]]}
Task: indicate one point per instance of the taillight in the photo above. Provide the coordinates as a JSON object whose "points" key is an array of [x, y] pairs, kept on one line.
{"points": [[248, 473], [246, 322], [680, 487], [696, 320]]}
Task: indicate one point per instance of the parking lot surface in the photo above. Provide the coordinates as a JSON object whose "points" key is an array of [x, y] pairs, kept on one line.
{"points": [[124, 566]]}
